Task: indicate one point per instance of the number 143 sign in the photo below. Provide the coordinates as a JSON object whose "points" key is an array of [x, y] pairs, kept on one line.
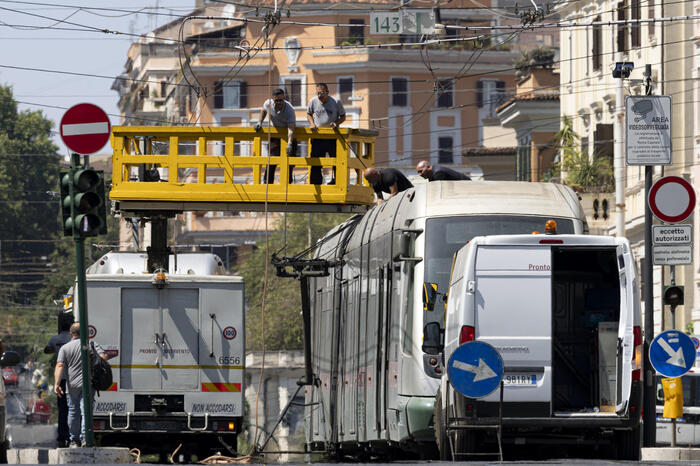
{"points": [[404, 21]]}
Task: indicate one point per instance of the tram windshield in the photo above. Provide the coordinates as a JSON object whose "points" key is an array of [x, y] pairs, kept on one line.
{"points": [[445, 235]]}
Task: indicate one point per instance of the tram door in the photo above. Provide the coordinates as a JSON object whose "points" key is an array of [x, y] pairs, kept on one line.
{"points": [[383, 345]]}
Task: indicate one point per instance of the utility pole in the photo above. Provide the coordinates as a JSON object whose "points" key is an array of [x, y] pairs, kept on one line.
{"points": [[649, 379], [619, 160]]}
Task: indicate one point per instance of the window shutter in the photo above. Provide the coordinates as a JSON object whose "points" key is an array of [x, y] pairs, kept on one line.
{"points": [[244, 94], [636, 36], [603, 137], [399, 88], [480, 94], [597, 40], [621, 28], [218, 95], [500, 93], [444, 94]]}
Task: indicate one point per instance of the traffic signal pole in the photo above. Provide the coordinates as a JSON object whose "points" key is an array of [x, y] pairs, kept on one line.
{"points": [[83, 319]]}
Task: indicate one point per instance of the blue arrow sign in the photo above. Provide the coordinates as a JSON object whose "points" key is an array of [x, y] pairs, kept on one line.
{"points": [[672, 353], [475, 369]]}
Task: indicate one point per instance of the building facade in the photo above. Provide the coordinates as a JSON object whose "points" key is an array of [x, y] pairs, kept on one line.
{"points": [[428, 102], [590, 98]]}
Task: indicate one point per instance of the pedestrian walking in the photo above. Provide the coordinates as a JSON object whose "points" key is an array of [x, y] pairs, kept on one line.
{"points": [[281, 115], [52, 347], [323, 110], [69, 360]]}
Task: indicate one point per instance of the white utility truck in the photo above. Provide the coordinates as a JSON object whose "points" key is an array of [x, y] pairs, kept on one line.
{"points": [[177, 343], [563, 312]]}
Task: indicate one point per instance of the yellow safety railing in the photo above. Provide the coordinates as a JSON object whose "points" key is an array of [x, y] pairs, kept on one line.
{"points": [[227, 164]]}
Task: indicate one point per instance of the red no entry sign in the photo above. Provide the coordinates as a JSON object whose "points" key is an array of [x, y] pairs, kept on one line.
{"points": [[672, 199], [85, 128]]}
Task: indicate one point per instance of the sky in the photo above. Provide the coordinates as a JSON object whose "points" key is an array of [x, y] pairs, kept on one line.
{"points": [[33, 35]]}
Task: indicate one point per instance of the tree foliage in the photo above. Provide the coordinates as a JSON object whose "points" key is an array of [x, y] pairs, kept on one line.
{"points": [[29, 166], [579, 170], [283, 324], [36, 262]]}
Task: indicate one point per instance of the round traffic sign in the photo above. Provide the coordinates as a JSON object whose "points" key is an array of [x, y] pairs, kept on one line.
{"points": [[671, 199], [230, 333], [92, 331], [85, 128], [672, 353], [695, 341], [475, 369]]}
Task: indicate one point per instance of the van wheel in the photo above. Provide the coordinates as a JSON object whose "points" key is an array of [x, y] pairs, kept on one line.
{"points": [[629, 444], [443, 443]]}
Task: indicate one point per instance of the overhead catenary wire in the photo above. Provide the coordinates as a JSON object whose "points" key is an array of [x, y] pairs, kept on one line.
{"points": [[128, 79]]}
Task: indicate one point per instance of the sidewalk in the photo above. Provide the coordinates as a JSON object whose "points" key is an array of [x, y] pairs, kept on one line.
{"points": [[103, 455]]}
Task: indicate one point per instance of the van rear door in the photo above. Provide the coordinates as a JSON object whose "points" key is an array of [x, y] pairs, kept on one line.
{"points": [[626, 330], [513, 312]]}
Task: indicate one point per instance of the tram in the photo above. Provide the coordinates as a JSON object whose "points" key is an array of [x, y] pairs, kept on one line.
{"points": [[375, 387]]}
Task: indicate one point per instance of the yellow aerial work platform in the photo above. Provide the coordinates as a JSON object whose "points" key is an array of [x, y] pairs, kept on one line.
{"points": [[222, 168]]}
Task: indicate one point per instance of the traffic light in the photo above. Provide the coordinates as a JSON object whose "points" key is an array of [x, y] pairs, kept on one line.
{"points": [[673, 295], [83, 202]]}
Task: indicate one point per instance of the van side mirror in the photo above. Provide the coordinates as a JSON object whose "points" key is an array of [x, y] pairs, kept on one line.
{"points": [[429, 296], [9, 358], [432, 336]]}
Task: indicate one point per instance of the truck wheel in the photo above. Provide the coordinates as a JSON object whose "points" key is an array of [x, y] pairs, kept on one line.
{"points": [[443, 443], [628, 444]]}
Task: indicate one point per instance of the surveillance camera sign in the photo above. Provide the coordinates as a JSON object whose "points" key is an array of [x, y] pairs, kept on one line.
{"points": [[648, 129]]}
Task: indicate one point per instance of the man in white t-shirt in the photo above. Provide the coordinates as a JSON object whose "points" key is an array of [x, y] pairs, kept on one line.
{"points": [[281, 116]]}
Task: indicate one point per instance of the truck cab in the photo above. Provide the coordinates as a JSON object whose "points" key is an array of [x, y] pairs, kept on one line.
{"points": [[563, 312]]}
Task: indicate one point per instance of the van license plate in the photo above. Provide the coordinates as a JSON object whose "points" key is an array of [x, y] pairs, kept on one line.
{"points": [[520, 379]]}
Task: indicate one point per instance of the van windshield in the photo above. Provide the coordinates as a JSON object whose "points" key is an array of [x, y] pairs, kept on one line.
{"points": [[446, 235]]}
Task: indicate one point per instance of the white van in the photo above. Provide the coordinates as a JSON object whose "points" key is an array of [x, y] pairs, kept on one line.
{"points": [[563, 312]]}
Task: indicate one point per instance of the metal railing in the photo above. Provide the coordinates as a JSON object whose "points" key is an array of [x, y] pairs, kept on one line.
{"points": [[227, 165]]}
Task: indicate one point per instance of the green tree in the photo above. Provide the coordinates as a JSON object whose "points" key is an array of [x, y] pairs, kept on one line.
{"points": [[578, 169], [591, 175], [283, 324], [29, 166], [567, 141]]}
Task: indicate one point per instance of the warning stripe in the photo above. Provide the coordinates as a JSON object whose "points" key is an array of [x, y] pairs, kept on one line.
{"points": [[220, 387], [78, 129], [173, 366], [112, 388]]}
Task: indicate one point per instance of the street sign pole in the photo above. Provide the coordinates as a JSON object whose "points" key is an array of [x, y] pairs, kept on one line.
{"points": [[85, 129], [83, 319], [649, 389]]}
